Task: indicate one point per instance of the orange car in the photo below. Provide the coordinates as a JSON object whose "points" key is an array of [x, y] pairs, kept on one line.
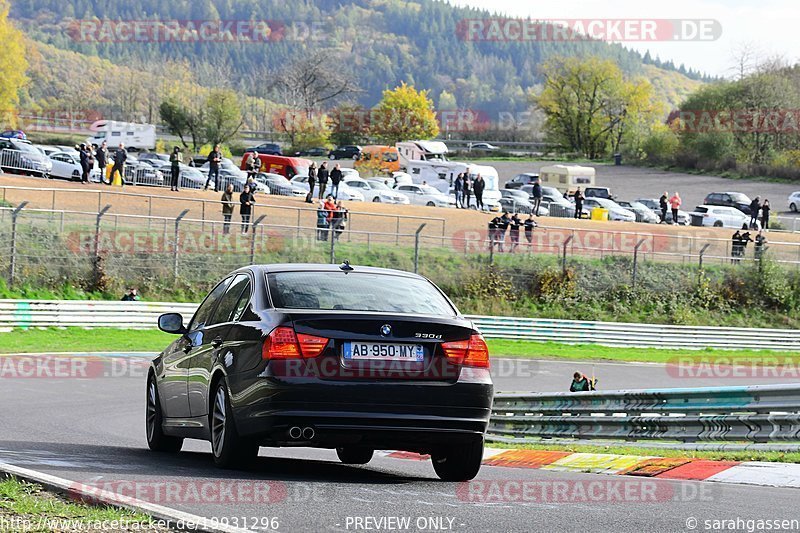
{"points": [[387, 155]]}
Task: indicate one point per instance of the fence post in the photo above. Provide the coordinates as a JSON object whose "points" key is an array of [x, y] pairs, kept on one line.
{"points": [[416, 248], [397, 238], [176, 245], [97, 239], [253, 240], [12, 265], [564, 253], [636, 261], [332, 236], [702, 251]]}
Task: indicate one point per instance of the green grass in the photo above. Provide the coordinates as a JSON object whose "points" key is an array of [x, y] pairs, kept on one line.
{"points": [[27, 501], [553, 350], [750, 455], [53, 340]]}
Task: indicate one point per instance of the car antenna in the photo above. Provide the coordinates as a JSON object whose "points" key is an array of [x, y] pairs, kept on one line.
{"points": [[345, 267]]}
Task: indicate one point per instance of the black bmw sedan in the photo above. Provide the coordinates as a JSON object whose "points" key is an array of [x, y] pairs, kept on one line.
{"points": [[325, 356]]}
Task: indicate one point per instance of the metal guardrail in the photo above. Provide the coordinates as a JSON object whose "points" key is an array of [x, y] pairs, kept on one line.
{"points": [[760, 413], [95, 313], [22, 162]]}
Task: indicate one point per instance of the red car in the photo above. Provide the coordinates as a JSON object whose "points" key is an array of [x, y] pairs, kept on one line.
{"points": [[288, 167]]}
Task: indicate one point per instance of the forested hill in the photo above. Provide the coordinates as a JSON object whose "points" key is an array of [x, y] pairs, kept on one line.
{"points": [[381, 42]]}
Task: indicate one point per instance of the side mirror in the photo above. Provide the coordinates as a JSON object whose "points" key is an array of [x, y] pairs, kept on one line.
{"points": [[171, 323]]}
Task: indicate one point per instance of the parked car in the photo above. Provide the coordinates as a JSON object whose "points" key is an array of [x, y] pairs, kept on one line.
{"points": [[349, 173], [277, 184], [227, 165], [190, 177], [152, 156], [268, 148], [558, 206], [318, 151], [730, 199], [515, 205], [47, 150], [426, 195], [65, 166], [13, 134], [615, 211], [349, 151], [483, 146], [19, 156], [375, 190], [598, 192], [520, 180], [683, 217], [794, 202], [345, 191], [719, 216], [642, 212]]}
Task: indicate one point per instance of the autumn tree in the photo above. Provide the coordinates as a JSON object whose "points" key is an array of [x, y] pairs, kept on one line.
{"points": [[12, 63], [589, 106], [222, 118], [404, 113]]}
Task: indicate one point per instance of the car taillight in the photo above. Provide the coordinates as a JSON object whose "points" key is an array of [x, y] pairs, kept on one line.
{"points": [[284, 343], [469, 352]]}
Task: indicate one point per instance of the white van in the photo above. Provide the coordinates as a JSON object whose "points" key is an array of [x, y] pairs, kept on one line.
{"points": [[134, 136], [567, 178]]}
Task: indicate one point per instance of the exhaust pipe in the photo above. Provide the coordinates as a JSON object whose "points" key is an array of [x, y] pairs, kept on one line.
{"points": [[295, 432], [308, 433]]}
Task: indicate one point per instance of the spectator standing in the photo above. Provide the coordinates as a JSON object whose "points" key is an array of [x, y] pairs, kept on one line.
{"points": [[83, 154], [339, 219], [675, 204], [478, 188], [513, 232], [312, 181], [745, 238], [578, 203], [101, 154], [336, 178], [322, 222], [120, 157], [581, 383], [175, 158], [467, 191], [765, 209], [322, 178], [502, 226], [536, 192], [662, 203], [493, 223], [246, 202], [529, 225], [755, 207], [227, 208], [736, 246], [254, 165], [458, 187], [132, 295], [214, 159]]}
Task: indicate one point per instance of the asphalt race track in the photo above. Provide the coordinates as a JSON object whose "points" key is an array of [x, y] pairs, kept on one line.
{"points": [[91, 430]]}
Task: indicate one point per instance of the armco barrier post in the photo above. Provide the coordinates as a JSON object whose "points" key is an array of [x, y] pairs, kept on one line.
{"points": [[176, 245], [12, 264], [700, 259], [416, 248], [636, 261], [253, 240]]}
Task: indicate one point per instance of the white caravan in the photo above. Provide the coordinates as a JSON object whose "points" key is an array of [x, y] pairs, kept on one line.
{"points": [[134, 136], [567, 178]]}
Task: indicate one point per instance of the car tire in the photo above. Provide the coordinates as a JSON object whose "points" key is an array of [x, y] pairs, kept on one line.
{"points": [[377, 199], [76, 175], [331, 157], [793, 207], [459, 463], [355, 157], [717, 223], [352, 455], [431, 204], [156, 439], [228, 448]]}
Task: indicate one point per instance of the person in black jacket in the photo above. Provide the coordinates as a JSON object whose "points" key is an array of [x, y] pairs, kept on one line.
{"points": [[322, 178], [175, 159], [458, 188], [467, 185], [214, 159], [513, 231], [529, 225], [502, 226], [336, 178], [765, 215], [578, 203], [536, 192], [312, 180], [478, 188], [755, 207], [246, 202], [84, 154], [119, 164], [101, 154], [581, 383], [662, 203]]}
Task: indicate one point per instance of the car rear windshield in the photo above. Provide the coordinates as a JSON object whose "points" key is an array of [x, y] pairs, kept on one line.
{"points": [[357, 291]]}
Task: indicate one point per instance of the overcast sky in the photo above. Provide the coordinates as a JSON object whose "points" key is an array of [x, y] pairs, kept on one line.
{"points": [[770, 26]]}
